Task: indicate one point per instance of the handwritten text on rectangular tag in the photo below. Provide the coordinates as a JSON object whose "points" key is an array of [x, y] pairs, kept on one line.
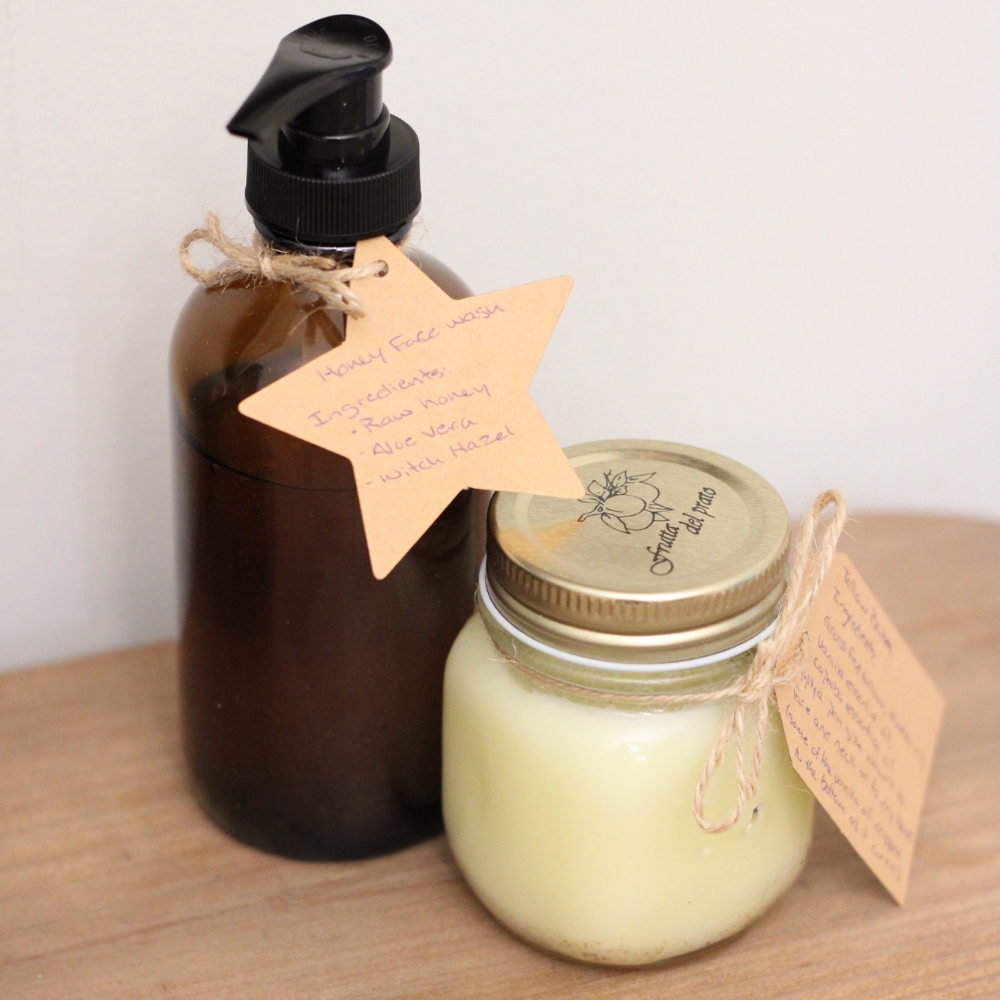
{"points": [[861, 721]]}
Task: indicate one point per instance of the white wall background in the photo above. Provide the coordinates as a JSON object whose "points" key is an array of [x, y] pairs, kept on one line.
{"points": [[782, 217]]}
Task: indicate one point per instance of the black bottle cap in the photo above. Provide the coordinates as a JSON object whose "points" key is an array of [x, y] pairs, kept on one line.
{"points": [[327, 165]]}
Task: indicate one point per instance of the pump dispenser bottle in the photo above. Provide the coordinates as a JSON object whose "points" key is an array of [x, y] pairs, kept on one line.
{"points": [[310, 691]]}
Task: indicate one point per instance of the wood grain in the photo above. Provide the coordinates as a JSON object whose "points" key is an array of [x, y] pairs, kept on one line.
{"points": [[112, 884]]}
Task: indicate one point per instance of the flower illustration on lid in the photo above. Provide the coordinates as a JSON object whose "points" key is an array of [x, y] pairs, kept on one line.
{"points": [[625, 503]]}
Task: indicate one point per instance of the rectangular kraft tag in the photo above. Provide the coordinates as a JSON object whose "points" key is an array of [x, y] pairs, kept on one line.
{"points": [[861, 720]]}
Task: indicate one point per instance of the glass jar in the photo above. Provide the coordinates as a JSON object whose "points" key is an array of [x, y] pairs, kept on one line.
{"points": [[568, 783]]}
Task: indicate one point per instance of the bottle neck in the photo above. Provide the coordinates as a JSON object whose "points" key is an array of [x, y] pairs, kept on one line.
{"points": [[292, 246]]}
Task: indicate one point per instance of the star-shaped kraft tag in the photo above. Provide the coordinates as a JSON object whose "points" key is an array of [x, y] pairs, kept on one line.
{"points": [[427, 395]]}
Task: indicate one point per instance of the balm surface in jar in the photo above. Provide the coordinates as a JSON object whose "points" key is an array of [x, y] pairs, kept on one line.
{"points": [[568, 783]]}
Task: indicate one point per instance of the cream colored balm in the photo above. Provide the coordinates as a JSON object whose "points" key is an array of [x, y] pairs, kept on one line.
{"points": [[568, 789]]}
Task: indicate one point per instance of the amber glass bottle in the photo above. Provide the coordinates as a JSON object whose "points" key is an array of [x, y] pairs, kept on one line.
{"points": [[310, 691]]}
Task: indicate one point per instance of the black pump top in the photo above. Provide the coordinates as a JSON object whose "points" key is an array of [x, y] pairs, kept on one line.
{"points": [[327, 165]]}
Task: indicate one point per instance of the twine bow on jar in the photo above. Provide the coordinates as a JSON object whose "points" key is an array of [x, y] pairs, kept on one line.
{"points": [[776, 662], [324, 276]]}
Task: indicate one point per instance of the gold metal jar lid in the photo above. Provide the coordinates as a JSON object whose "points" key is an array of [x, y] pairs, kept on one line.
{"points": [[675, 553]]}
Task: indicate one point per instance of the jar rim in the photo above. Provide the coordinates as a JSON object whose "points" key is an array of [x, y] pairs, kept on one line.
{"points": [[493, 609]]}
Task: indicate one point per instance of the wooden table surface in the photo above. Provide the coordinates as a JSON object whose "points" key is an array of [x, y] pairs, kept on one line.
{"points": [[112, 883]]}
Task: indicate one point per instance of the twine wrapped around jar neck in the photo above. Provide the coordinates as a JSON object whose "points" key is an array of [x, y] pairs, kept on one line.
{"points": [[776, 662], [325, 276]]}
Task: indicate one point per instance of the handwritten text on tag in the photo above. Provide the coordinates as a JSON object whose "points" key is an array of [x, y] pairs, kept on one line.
{"points": [[428, 395], [861, 720]]}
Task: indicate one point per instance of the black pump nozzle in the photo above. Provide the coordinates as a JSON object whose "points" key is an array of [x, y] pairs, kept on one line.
{"points": [[323, 92], [316, 123]]}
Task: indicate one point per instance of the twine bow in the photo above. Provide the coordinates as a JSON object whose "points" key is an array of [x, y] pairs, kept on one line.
{"points": [[325, 276], [776, 662]]}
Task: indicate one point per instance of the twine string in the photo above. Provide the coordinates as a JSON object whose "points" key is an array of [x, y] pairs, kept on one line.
{"points": [[776, 662], [324, 276]]}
